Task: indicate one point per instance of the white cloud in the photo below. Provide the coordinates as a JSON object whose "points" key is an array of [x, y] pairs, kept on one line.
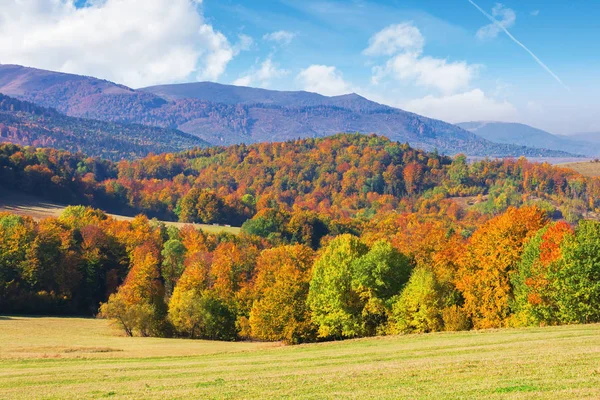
{"points": [[448, 77], [473, 105], [404, 43], [535, 13], [283, 38], [262, 77], [135, 42], [505, 17], [323, 79], [395, 38]]}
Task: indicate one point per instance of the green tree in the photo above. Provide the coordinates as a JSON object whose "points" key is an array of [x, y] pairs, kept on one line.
{"points": [[419, 307], [336, 306], [201, 314], [173, 254]]}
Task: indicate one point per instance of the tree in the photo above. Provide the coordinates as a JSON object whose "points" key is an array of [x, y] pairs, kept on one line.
{"points": [[195, 309], [129, 317], [201, 314], [336, 306], [173, 254], [280, 289], [143, 292], [492, 255], [534, 279], [576, 276], [419, 307]]}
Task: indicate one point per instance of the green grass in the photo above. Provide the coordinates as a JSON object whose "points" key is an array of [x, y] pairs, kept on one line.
{"points": [[66, 358]]}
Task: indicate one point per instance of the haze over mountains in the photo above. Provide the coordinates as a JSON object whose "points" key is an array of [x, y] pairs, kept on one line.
{"points": [[224, 114], [525, 135]]}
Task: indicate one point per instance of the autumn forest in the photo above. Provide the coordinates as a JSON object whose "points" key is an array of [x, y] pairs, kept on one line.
{"points": [[342, 237]]}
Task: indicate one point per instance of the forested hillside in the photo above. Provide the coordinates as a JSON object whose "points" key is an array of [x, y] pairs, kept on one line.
{"points": [[27, 124], [346, 236]]}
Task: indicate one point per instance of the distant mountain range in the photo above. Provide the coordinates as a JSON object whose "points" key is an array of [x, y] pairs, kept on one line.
{"points": [[224, 114], [525, 135], [589, 137], [25, 123]]}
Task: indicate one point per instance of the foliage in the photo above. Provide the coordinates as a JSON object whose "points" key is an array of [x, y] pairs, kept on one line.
{"points": [[492, 255], [281, 284], [419, 307]]}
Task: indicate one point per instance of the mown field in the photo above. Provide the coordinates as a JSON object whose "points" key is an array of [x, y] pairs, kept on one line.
{"points": [[587, 168], [23, 204], [68, 358]]}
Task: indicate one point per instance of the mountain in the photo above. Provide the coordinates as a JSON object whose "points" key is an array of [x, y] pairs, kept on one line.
{"points": [[225, 114], [589, 137], [28, 124], [525, 135]]}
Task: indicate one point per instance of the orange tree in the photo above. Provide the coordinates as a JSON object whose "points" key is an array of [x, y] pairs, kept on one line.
{"points": [[492, 255]]}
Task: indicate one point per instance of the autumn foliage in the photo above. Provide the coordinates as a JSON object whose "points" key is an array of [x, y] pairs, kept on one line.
{"points": [[342, 237]]}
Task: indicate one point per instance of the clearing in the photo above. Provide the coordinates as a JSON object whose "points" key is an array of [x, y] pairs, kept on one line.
{"points": [[30, 206], [65, 358], [589, 168]]}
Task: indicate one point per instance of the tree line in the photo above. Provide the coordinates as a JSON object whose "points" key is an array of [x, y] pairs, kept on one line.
{"points": [[403, 273]]}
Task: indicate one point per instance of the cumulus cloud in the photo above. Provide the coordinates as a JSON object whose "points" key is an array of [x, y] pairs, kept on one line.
{"points": [[505, 18], [448, 77], [323, 79], [404, 43], [282, 38], [262, 76], [472, 105], [135, 42], [395, 38]]}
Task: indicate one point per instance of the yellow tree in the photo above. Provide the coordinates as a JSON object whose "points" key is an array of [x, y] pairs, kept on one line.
{"points": [[280, 288]]}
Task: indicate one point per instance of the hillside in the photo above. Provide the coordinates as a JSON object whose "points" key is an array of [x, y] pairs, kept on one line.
{"points": [[525, 135], [223, 114], [83, 358], [27, 124], [590, 137]]}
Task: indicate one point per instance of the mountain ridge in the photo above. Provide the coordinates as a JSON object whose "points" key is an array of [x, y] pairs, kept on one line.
{"points": [[242, 114], [526, 135], [25, 123]]}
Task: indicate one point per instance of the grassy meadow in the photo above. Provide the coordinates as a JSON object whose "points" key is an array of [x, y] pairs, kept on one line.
{"points": [[69, 358], [587, 168]]}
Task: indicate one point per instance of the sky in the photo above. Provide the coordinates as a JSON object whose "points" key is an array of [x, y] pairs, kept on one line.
{"points": [[528, 61]]}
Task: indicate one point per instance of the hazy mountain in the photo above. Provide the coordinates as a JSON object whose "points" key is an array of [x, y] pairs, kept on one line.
{"points": [[590, 137], [28, 124], [525, 135], [224, 114]]}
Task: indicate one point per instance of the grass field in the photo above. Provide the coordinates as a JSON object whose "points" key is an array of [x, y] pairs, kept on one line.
{"points": [[22, 204], [587, 168], [66, 358]]}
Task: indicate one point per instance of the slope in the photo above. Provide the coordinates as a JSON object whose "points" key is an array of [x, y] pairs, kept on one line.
{"points": [[27, 124], [224, 114], [525, 135]]}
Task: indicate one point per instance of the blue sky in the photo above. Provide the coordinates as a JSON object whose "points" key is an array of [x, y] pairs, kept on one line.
{"points": [[443, 59]]}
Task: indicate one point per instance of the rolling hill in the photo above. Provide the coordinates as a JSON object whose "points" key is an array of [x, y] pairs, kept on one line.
{"points": [[525, 135], [224, 114], [27, 124]]}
